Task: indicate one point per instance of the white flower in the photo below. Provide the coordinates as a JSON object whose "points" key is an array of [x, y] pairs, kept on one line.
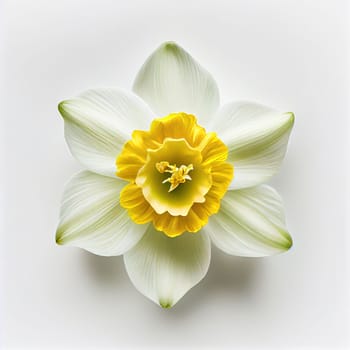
{"points": [[149, 194]]}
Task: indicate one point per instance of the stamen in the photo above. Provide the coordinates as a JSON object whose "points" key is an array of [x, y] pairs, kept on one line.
{"points": [[178, 175], [162, 166]]}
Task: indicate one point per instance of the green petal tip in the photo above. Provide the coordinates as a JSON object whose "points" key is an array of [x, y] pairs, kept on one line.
{"points": [[170, 46], [165, 304], [62, 109], [59, 238], [291, 118]]}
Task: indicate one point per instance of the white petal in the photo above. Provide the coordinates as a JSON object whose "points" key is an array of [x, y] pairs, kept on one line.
{"points": [[257, 138], [172, 81], [164, 268], [250, 223], [92, 218], [99, 122]]}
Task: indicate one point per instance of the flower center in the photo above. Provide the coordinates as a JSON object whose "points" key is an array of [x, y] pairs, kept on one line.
{"points": [[178, 175], [153, 178]]}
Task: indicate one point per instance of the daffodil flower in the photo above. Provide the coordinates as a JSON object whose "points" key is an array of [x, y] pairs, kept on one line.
{"points": [[160, 187]]}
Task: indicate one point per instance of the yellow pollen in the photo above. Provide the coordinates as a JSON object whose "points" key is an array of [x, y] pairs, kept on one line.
{"points": [[178, 175]]}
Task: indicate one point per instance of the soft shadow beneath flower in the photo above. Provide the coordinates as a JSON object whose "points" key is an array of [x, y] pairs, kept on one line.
{"points": [[227, 276], [106, 271], [231, 273]]}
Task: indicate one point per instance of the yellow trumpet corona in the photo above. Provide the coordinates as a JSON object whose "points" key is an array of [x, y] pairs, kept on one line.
{"points": [[195, 189]]}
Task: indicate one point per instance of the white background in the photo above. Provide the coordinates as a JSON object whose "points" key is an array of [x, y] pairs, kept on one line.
{"points": [[287, 54]]}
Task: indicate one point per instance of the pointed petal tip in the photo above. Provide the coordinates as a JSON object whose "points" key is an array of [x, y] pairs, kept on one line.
{"points": [[289, 245], [59, 239], [291, 118], [170, 48], [165, 304], [62, 108], [282, 247], [170, 45], [288, 120]]}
